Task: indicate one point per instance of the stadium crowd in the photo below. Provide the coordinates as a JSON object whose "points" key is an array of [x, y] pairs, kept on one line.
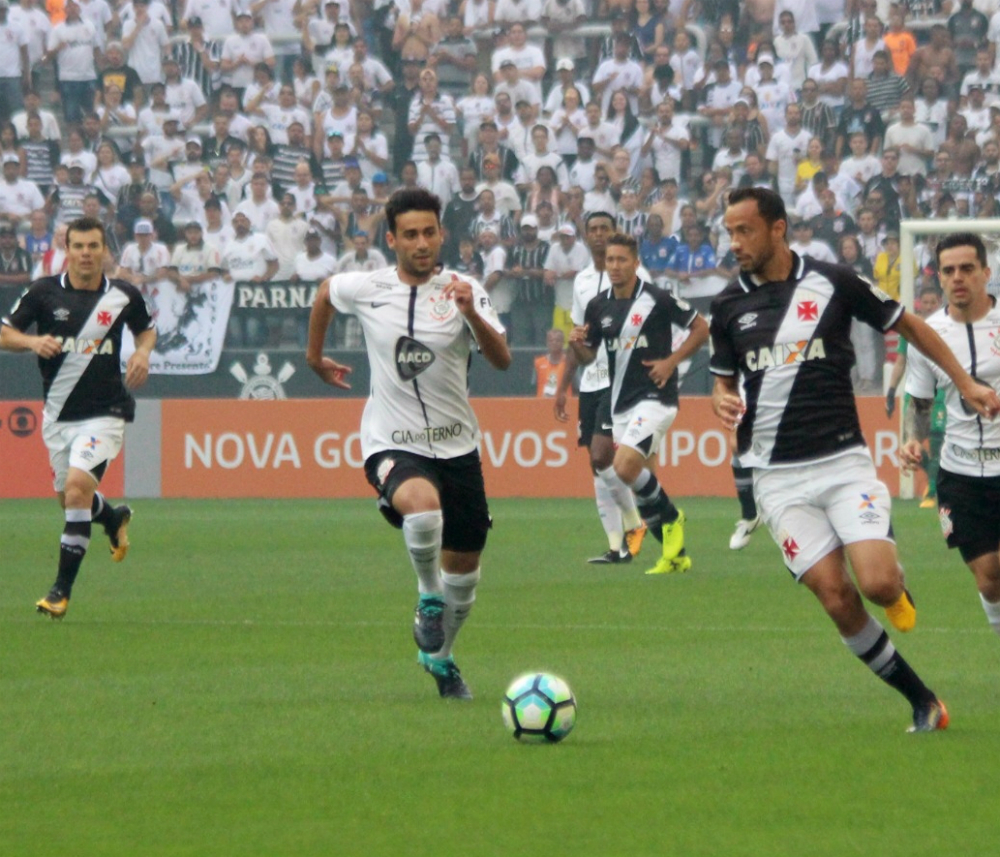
{"points": [[259, 139]]}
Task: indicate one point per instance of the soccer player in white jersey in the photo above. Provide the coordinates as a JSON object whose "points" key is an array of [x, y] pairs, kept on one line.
{"points": [[969, 478], [419, 435], [783, 328], [616, 505], [79, 317]]}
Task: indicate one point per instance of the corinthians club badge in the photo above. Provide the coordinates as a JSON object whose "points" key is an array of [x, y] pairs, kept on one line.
{"points": [[262, 384]]}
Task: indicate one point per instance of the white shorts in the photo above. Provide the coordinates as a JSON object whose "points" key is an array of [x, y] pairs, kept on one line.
{"points": [[814, 509], [643, 426], [85, 445]]}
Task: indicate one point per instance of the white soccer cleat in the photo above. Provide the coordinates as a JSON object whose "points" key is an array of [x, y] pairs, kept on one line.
{"points": [[741, 535]]}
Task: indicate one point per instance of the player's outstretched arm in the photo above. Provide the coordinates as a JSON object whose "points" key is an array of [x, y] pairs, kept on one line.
{"points": [[12, 339], [320, 317], [980, 397]]}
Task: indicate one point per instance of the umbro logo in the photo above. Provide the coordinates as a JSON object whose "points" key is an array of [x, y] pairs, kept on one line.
{"points": [[747, 320], [412, 357], [61, 314], [378, 304]]}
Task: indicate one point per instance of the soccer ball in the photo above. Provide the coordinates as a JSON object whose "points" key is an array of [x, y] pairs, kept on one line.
{"points": [[539, 708]]}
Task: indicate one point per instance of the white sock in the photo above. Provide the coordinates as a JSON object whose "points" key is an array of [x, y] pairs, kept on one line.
{"points": [[992, 613], [459, 596], [611, 518], [623, 497], [422, 534]]}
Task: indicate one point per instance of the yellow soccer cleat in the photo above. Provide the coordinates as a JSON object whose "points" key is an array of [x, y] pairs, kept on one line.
{"points": [[53, 606], [117, 532], [634, 537], [678, 565], [673, 537], [902, 614]]}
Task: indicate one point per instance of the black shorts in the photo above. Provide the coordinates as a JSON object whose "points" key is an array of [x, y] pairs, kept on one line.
{"points": [[595, 416], [459, 482], [969, 508]]}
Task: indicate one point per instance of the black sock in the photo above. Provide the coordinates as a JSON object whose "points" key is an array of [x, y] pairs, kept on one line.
{"points": [[101, 511], [72, 549], [873, 646], [654, 504], [743, 478]]}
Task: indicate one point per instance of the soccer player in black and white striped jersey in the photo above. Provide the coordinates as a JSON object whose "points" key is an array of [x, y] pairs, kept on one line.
{"points": [[79, 319], [783, 330]]}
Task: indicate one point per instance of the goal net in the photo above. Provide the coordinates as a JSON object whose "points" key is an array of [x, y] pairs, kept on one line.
{"points": [[918, 241]]}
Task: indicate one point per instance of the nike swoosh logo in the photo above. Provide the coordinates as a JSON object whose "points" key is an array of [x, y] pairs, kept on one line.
{"points": [[377, 304]]}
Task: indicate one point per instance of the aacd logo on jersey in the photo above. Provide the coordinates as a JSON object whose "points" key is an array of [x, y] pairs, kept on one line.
{"points": [[412, 357]]}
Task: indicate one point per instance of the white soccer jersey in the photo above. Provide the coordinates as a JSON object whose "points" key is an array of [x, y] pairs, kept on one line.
{"points": [[971, 444], [586, 285], [419, 346]]}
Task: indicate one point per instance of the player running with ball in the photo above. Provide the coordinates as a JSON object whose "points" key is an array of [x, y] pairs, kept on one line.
{"points": [[419, 435]]}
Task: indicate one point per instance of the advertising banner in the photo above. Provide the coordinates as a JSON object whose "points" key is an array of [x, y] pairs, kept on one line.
{"points": [[311, 448], [26, 471]]}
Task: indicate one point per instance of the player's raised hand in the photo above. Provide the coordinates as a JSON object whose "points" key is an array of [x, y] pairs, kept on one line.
{"points": [[332, 373], [579, 333], [461, 292]]}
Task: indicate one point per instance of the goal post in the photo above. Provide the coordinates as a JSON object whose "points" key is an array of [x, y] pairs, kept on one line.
{"points": [[910, 233]]}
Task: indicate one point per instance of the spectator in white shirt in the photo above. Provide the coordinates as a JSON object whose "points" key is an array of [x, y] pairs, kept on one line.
{"points": [[529, 59], [215, 15], [287, 234], [437, 174], [259, 208], [73, 43], [248, 259], [242, 51], [804, 244], [619, 72], [145, 40], [18, 197]]}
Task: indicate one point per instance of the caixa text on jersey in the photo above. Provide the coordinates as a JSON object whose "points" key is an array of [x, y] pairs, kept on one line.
{"points": [[427, 433], [275, 295], [784, 354]]}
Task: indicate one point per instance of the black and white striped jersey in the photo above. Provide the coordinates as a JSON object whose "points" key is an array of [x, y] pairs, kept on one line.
{"points": [[85, 380], [790, 343], [632, 330], [971, 444]]}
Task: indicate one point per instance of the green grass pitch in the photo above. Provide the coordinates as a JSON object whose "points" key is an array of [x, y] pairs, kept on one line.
{"points": [[246, 684]]}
